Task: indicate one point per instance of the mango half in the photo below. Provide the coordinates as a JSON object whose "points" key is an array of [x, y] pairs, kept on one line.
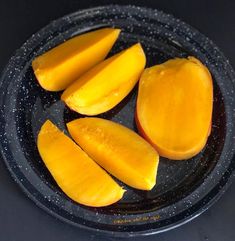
{"points": [[74, 171], [106, 84], [174, 107], [117, 149], [60, 66]]}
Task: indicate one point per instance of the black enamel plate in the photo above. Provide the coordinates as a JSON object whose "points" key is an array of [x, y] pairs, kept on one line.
{"points": [[184, 188]]}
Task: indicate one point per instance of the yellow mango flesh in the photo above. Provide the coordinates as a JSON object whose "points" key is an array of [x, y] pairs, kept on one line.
{"points": [[74, 171], [60, 66], [106, 84], [117, 149], [174, 107]]}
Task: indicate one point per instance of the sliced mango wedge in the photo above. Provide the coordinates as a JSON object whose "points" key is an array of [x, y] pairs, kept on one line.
{"points": [[117, 149], [174, 107], [60, 66], [106, 84], [74, 171]]}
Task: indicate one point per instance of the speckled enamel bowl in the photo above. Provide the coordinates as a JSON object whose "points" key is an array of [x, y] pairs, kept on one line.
{"points": [[184, 188]]}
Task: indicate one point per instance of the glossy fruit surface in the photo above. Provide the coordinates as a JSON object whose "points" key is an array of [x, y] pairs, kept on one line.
{"points": [[117, 149], [105, 85], [59, 67], [174, 107], [74, 171]]}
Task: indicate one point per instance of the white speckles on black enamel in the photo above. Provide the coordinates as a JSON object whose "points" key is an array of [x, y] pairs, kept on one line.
{"points": [[184, 188]]}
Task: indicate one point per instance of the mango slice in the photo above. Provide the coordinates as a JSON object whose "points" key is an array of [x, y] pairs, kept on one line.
{"points": [[117, 149], [74, 171], [174, 107], [105, 85], [60, 66]]}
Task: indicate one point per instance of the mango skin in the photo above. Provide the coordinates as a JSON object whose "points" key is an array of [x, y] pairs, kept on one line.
{"points": [[105, 85], [74, 171], [174, 107], [56, 69], [117, 149]]}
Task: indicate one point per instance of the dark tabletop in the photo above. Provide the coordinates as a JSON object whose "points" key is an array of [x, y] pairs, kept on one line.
{"points": [[20, 218]]}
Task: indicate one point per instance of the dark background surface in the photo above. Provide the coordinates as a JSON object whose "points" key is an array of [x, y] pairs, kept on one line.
{"points": [[20, 218]]}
